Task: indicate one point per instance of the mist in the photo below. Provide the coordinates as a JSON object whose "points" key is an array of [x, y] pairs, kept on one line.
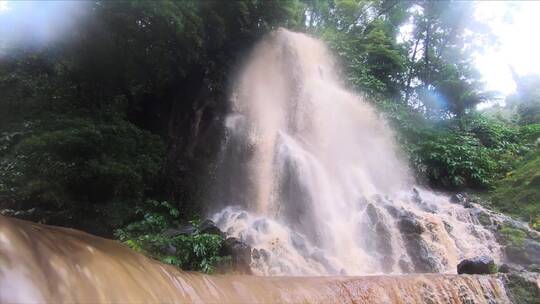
{"points": [[36, 24]]}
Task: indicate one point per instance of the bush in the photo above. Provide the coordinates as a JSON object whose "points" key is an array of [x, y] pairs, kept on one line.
{"points": [[473, 152], [519, 192], [80, 168], [197, 251], [456, 160]]}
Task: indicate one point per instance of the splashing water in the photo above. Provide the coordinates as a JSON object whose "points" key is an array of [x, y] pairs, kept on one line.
{"points": [[315, 179]]}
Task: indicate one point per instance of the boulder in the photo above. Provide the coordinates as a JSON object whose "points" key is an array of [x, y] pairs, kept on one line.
{"points": [[382, 236], [210, 227], [408, 224], [240, 253], [477, 265], [186, 229], [405, 265], [461, 199], [522, 287], [507, 268], [528, 253], [321, 258], [417, 199]]}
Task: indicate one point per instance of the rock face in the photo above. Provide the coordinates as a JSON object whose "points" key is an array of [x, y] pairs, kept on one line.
{"points": [[240, 253], [210, 227], [187, 229], [522, 288], [477, 265], [461, 199], [421, 258], [382, 243]]}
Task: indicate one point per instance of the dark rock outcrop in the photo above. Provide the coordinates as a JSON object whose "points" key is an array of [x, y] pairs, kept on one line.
{"points": [[210, 227], [408, 224], [382, 243], [186, 229], [507, 268], [461, 199], [477, 265], [522, 287], [240, 253], [417, 248], [528, 253]]}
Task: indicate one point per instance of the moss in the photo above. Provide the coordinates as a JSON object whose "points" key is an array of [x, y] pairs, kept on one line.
{"points": [[493, 268], [484, 219], [522, 290], [512, 236], [519, 193]]}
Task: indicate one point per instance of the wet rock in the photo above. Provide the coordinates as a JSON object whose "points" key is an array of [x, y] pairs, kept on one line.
{"points": [[522, 288], [210, 227], [362, 201], [477, 265], [169, 249], [371, 211], [528, 253], [405, 265], [448, 227], [382, 236], [416, 198], [261, 225], [410, 225], [393, 211], [255, 254], [421, 256], [260, 254], [461, 199], [265, 255], [417, 248], [242, 216], [507, 268], [187, 229], [533, 268], [319, 256], [240, 253], [299, 243], [484, 218], [532, 248]]}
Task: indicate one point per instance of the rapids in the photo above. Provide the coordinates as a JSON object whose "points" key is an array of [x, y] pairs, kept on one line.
{"points": [[312, 178], [46, 264]]}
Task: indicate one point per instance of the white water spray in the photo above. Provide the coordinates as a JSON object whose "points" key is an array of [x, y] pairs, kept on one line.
{"points": [[316, 180]]}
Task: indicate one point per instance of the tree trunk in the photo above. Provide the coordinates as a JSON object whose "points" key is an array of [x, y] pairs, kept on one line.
{"points": [[410, 72]]}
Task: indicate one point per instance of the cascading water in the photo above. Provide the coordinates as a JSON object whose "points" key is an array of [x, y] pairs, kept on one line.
{"points": [[314, 182]]}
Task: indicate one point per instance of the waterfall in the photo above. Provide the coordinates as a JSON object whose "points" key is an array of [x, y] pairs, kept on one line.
{"points": [[312, 178]]}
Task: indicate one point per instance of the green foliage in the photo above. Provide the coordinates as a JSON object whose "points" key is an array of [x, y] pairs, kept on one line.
{"points": [[526, 100], [472, 152], [512, 236], [198, 251], [456, 160], [521, 289], [519, 192], [78, 165]]}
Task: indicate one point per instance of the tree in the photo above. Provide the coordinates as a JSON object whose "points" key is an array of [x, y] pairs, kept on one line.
{"points": [[526, 99]]}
